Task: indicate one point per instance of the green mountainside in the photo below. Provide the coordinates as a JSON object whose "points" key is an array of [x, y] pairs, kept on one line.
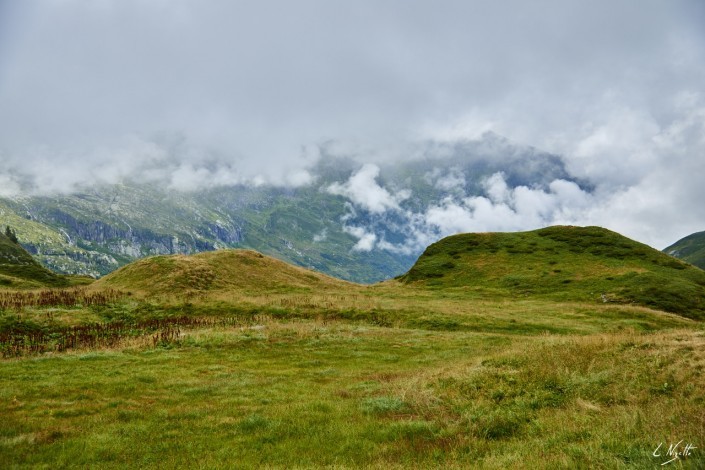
{"points": [[562, 263], [19, 270], [96, 231], [690, 249]]}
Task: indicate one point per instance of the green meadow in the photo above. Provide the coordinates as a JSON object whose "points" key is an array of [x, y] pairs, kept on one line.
{"points": [[235, 360]]}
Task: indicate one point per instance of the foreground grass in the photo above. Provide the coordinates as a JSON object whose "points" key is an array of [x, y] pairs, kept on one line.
{"points": [[311, 393]]}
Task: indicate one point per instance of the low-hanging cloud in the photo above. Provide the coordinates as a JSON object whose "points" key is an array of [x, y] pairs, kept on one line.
{"points": [[500, 208], [655, 205], [169, 162], [365, 239], [362, 189]]}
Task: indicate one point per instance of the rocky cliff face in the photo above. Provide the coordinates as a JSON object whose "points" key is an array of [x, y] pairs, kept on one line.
{"points": [[104, 244]]}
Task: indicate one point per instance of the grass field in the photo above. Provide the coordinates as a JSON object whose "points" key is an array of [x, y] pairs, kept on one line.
{"points": [[499, 385], [235, 360]]}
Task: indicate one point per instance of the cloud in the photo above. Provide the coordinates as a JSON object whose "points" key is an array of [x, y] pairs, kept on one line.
{"points": [[363, 190], [320, 236], [365, 240], [187, 177], [508, 209], [657, 205], [170, 161], [8, 186], [499, 208], [665, 203], [234, 76], [448, 180]]}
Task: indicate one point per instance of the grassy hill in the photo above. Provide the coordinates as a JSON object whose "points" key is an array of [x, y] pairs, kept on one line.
{"points": [[19, 270], [562, 263], [231, 271], [690, 249]]}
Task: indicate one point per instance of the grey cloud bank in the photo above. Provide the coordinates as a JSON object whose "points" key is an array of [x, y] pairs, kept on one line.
{"points": [[193, 94]]}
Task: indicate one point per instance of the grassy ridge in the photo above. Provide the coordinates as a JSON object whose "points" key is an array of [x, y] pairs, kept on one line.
{"points": [[19, 270], [690, 249], [588, 264]]}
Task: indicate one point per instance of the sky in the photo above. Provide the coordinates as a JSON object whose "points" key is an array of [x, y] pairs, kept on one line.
{"points": [[208, 92]]}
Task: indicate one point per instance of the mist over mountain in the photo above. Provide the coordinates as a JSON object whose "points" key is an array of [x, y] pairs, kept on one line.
{"points": [[355, 220]]}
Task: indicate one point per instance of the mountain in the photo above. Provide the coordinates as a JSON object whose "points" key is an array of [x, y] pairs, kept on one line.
{"points": [[333, 224], [102, 228], [563, 263], [19, 270], [225, 271], [690, 249]]}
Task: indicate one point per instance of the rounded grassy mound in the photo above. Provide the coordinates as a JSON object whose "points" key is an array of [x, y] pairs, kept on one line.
{"points": [[246, 271], [563, 263]]}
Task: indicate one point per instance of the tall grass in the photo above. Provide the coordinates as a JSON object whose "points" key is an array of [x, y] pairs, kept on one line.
{"points": [[77, 296], [25, 338]]}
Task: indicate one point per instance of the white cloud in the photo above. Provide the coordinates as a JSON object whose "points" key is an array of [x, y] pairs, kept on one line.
{"points": [[501, 209], [666, 203], [169, 161], [509, 209], [8, 186], [365, 240], [298, 178], [320, 236], [188, 177], [497, 189], [450, 217], [446, 180], [362, 189]]}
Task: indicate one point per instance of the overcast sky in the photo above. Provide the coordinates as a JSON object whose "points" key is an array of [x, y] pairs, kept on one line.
{"points": [[93, 89]]}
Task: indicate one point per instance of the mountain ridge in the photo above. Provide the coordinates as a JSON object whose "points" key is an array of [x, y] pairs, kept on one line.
{"points": [[690, 248]]}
